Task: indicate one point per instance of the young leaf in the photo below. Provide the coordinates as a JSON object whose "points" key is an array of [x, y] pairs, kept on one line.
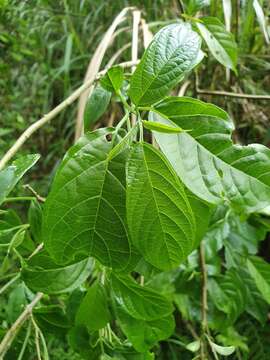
{"points": [[205, 159], [13, 173], [138, 301], [93, 311], [113, 79], [220, 42], [193, 6], [260, 272], [41, 274], [144, 334], [35, 220], [160, 219], [96, 106], [171, 54], [84, 214], [151, 125], [222, 350]]}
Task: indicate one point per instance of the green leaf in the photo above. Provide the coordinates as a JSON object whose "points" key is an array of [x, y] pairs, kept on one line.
{"points": [[229, 294], [171, 54], [138, 301], [13, 173], [261, 19], [40, 273], [93, 311], [84, 214], [160, 219], [222, 350], [260, 272], [206, 160], [151, 125], [194, 346], [145, 334], [113, 79], [220, 42], [96, 105], [193, 6], [35, 220]]}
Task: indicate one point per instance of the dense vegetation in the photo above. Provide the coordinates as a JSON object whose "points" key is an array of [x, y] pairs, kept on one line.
{"points": [[146, 237]]}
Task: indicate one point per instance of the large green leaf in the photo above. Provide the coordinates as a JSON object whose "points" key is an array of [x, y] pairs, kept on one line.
{"points": [[172, 53], [160, 219], [220, 42], [93, 311], [84, 214], [206, 160], [113, 79], [41, 274], [138, 301], [144, 334], [13, 173], [260, 272], [96, 106]]}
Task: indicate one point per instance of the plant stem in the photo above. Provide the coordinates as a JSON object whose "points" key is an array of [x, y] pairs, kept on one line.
{"points": [[12, 332], [203, 299], [232, 94], [52, 114], [27, 336], [19, 198], [37, 196]]}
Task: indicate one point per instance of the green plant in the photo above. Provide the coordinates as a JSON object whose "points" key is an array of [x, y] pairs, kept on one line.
{"points": [[147, 240]]}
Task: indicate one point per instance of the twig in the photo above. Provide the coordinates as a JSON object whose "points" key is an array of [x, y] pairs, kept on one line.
{"points": [[37, 196], [27, 336], [203, 299], [136, 14], [52, 114], [12, 332], [36, 338], [37, 250], [232, 94], [183, 88]]}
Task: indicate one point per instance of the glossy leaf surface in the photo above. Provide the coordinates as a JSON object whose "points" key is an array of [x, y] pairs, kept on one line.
{"points": [[96, 105], [171, 54], [82, 215], [160, 219], [206, 160]]}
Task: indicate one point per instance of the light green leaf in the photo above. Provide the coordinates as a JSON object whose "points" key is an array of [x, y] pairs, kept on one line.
{"points": [[206, 160], [171, 54], [35, 220], [194, 346], [93, 311], [260, 272], [220, 42], [113, 79], [13, 173], [222, 350], [138, 301], [96, 105], [145, 334], [261, 19], [160, 219], [151, 125], [40, 273], [84, 214], [193, 6]]}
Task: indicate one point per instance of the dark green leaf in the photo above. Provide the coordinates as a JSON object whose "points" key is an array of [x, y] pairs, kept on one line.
{"points": [[13, 173], [93, 311], [145, 334], [84, 214], [96, 105], [172, 53], [35, 220], [138, 301], [42, 274], [260, 272], [160, 219]]}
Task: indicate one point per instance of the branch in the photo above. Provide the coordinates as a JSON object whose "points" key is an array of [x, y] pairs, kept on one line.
{"points": [[52, 114], [12, 332], [232, 94]]}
